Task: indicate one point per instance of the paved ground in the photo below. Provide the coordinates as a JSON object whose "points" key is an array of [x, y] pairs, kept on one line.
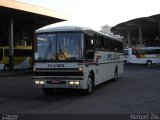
{"points": [[137, 91]]}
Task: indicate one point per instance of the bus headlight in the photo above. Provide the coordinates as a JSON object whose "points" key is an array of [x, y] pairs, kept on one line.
{"points": [[80, 69], [71, 82], [74, 82], [41, 82], [37, 82], [77, 83]]}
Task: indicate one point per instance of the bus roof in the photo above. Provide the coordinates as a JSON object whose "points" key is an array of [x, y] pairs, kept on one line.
{"points": [[62, 28], [66, 26]]}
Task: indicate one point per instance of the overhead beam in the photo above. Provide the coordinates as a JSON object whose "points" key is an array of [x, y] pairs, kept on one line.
{"points": [[129, 38], [32, 9]]}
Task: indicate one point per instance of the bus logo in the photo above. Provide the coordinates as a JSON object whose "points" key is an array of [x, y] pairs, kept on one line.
{"points": [[56, 65]]}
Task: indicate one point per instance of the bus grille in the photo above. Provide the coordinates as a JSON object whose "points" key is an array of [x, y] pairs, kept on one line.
{"points": [[58, 73], [54, 82]]}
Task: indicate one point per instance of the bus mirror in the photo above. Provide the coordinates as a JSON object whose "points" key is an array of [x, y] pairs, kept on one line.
{"points": [[92, 42]]}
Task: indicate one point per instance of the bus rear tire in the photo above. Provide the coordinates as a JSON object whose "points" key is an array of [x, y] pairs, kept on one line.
{"points": [[149, 62], [89, 85], [47, 91]]}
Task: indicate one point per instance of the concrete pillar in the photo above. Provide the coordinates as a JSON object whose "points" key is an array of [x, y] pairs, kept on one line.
{"points": [[124, 39], [11, 37], [129, 38], [22, 42], [34, 43], [140, 35]]}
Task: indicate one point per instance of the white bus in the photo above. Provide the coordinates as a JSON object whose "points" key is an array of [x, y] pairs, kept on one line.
{"points": [[22, 57], [145, 55], [126, 56], [75, 57]]}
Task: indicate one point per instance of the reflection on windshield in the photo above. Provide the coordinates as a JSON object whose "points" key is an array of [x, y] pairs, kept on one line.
{"points": [[59, 46], [46, 46]]}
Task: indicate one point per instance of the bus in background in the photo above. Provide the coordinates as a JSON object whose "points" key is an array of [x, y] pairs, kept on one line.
{"points": [[126, 56], [75, 57], [145, 55], [22, 57]]}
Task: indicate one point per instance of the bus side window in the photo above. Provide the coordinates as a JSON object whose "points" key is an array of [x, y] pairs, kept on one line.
{"points": [[102, 43], [22, 53], [134, 52], [99, 42], [89, 42], [157, 51], [96, 42], [106, 44], [111, 45], [89, 55], [125, 52]]}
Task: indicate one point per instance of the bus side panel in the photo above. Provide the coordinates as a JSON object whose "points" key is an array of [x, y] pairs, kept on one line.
{"points": [[1, 66], [23, 64], [138, 60], [120, 68], [102, 73]]}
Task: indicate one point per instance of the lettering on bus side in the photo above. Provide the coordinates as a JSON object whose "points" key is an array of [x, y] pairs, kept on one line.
{"points": [[56, 65]]}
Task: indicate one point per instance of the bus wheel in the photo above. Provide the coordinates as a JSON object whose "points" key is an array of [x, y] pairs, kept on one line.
{"points": [[89, 86], [6, 68], [48, 91], [115, 74], [149, 62]]}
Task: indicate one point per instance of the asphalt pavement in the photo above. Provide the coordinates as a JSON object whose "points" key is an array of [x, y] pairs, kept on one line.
{"points": [[137, 91]]}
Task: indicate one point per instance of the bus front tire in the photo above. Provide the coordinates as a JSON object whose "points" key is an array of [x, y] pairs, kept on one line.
{"points": [[89, 85]]}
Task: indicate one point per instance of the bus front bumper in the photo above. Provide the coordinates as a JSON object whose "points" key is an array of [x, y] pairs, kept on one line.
{"points": [[52, 83]]}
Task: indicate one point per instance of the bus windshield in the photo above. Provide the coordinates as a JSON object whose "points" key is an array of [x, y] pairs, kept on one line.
{"points": [[125, 52], [59, 46]]}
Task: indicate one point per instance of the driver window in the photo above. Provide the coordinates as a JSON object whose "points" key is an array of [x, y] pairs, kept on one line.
{"points": [[89, 42]]}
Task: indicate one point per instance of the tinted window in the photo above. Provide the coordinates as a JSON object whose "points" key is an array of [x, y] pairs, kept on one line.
{"points": [[152, 51], [89, 42], [19, 53], [22, 53], [134, 52], [125, 52], [89, 55], [6, 52]]}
